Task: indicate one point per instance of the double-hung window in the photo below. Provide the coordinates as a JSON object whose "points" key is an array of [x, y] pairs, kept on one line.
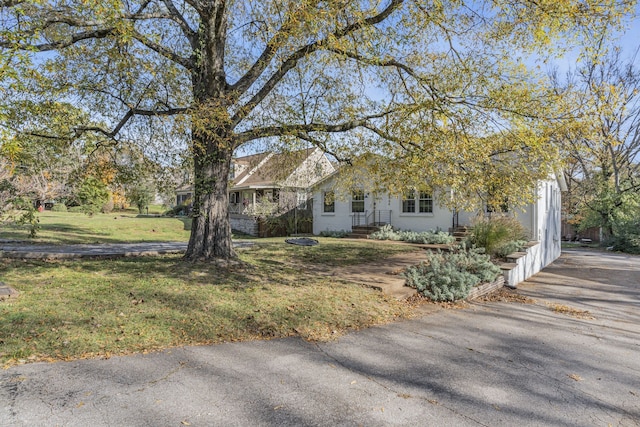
{"points": [[328, 202], [357, 201], [425, 203], [417, 202]]}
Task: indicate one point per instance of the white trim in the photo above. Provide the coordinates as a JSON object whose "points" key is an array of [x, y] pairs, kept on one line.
{"points": [[417, 214]]}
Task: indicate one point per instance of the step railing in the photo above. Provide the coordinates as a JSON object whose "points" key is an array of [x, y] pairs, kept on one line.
{"points": [[370, 218], [358, 219], [379, 217]]}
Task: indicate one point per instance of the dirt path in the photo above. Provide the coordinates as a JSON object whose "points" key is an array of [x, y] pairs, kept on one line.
{"points": [[383, 275]]}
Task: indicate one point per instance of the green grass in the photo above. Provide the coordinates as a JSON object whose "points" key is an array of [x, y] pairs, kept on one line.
{"points": [[74, 227], [89, 308]]}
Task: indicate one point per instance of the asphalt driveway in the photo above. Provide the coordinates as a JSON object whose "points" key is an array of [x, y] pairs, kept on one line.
{"points": [[494, 363]]}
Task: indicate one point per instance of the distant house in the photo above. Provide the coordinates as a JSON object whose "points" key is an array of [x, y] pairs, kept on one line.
{"points": [[335, 209], [269, 184]]}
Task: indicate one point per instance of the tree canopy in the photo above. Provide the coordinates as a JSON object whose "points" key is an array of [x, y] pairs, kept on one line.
{"points": [[439, 89], [602, 144]]}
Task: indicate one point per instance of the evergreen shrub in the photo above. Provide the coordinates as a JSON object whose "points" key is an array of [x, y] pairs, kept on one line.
{"points": [[59, 207]]}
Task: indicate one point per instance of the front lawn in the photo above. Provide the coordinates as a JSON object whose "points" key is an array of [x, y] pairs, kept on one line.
{"points": [[88, 308], [76, 227]]}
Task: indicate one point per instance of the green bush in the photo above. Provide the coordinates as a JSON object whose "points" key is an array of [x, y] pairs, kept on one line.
{"points": [[180, 210], [626, 238], [510, 247], [498, 235], [629, 243], [450, 276], [333, 233], [59, 207], [77, 209], [387, 232]]}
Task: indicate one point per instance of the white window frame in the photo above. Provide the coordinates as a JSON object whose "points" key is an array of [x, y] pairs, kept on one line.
{"points": [[357, 200], [410, 203], [325, 205]]}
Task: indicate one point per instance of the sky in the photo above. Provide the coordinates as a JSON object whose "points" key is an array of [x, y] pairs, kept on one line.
{"points": [[628, 40]]}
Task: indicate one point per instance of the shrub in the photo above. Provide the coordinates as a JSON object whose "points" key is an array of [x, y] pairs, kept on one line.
{"points": [[77, 209], [497, 234], [387, 232], [333, 233], [510, 247], [626, 238], [628, 243], [180, 210], [59, 207], [450, 276]]}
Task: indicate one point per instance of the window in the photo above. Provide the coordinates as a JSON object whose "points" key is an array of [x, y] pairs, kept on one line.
{"points": [[423, 203], [328, 202], [357, 201], [409, 202], [301, 200]]}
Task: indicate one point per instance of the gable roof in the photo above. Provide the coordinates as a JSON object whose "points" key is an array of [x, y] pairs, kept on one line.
{"points": [[270, 169]]}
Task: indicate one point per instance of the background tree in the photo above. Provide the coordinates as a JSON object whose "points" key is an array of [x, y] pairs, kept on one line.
{"points": [[141, 195], [602, 146], [408, 79]]}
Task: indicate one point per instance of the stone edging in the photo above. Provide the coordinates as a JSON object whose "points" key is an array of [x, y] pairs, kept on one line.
{"points": [[485, 288]]}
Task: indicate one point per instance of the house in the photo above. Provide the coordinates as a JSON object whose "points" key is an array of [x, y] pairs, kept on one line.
{"points": [[269, 184], [335, 210]]}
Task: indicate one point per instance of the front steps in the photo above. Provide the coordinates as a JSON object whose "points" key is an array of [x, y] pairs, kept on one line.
{"points": [[362, 231]]}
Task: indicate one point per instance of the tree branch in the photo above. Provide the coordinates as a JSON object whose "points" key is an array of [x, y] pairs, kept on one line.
{"points": [[298, 129], [187, 63], [268, 54], [189, 32]]}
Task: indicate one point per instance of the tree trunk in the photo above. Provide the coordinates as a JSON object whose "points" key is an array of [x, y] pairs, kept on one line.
{"points": [[210, 227], [212, 141]]}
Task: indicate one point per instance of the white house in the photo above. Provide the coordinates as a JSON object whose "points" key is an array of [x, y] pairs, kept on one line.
{"points": [[335, 210]]}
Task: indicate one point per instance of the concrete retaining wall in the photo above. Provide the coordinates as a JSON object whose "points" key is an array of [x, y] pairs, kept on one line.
{"points": [[522, 265]]}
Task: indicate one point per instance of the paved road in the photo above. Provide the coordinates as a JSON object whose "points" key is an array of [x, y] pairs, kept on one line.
{"points": [[491, 364]]}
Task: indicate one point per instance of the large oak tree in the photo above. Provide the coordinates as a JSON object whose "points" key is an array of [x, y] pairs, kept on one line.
{"points": [[436, 88]]}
